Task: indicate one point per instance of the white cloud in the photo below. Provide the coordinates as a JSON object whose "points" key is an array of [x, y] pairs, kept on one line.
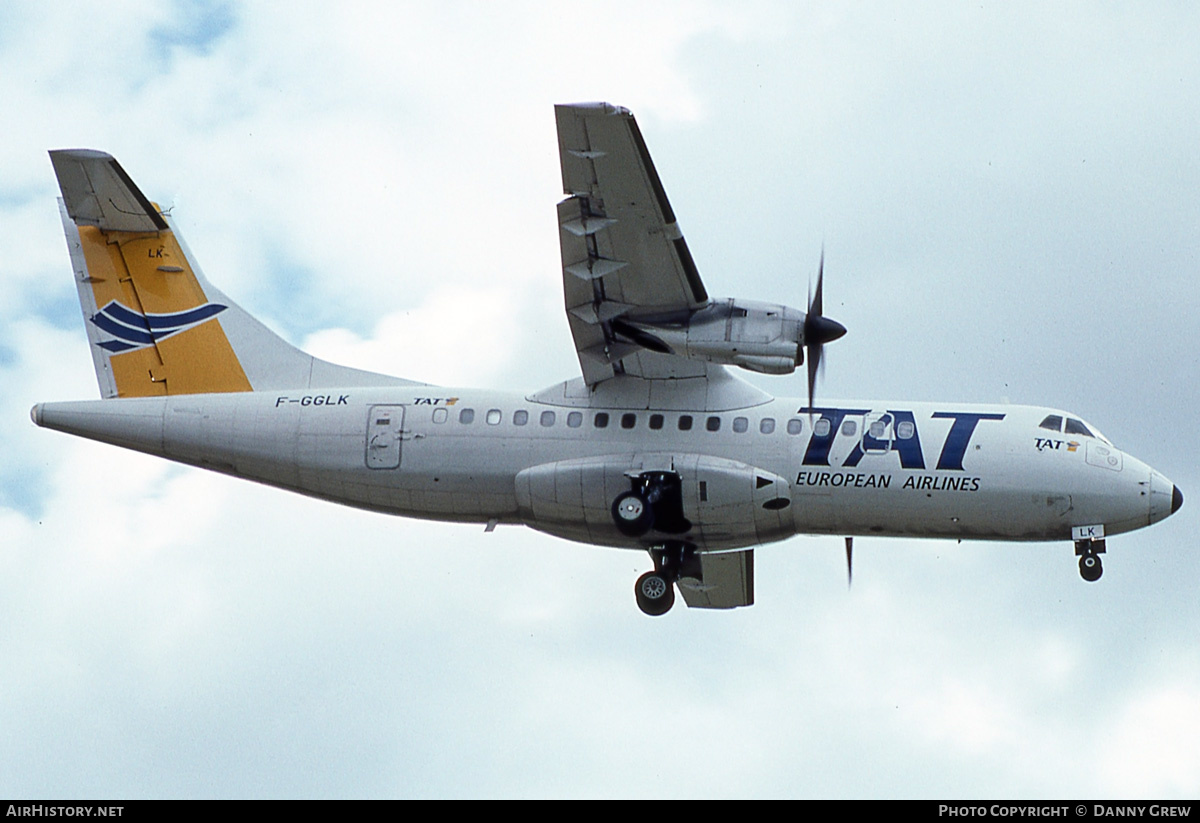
{"points": [[457, 338], [1150, 748]]}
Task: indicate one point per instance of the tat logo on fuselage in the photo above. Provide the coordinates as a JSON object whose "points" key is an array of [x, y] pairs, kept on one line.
{"points": [[897, 432], [1044, 443], [435, 401]]}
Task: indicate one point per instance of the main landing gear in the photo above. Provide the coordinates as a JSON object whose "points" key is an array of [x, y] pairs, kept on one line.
{"points": [[655, 501], [655, 590], [633, 513], [1089, 551], [655, 593]]}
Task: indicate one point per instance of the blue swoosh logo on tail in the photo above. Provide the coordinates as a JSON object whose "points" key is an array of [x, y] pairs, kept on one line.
{"points": [[133, 330]]}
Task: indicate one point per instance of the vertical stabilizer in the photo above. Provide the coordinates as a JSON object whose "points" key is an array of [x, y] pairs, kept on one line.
{"points": [[155, 325]]}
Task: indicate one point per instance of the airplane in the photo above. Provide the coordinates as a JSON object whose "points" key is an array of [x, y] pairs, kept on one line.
{"points": [[657, 446]]}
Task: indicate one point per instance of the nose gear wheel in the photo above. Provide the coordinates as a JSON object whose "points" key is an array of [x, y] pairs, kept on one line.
{"points": [[1089, 551]]}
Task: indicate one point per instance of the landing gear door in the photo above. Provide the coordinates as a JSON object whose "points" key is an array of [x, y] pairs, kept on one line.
{"points": [[384, 427]]}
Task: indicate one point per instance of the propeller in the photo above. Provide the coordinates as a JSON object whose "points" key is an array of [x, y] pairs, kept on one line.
{"points": [[849, 562], [818, 330]]}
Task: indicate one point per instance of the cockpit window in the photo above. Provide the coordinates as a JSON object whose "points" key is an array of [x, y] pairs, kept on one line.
{"points": [[1071, 425], [1053, 422], [1076, 427]]}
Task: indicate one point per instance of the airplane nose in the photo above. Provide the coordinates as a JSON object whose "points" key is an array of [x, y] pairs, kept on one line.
{"points": [[1165, 497]]}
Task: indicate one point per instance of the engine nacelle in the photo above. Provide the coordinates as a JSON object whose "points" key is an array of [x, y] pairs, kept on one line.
{"points": [[760, 337], [725, 504]]}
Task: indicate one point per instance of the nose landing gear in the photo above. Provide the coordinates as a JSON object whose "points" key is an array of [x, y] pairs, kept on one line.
{"points": [[1089, 551]]}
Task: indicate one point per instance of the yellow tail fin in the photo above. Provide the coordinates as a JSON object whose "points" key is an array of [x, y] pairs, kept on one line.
{"points": [[153, 328], [155, 324]]}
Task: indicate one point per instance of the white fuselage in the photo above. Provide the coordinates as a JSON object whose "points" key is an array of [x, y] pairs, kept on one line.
{"points": [[749, 476]]}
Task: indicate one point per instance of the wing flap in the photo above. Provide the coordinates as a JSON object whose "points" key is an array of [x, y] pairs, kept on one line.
{"points": [[726, 581]]}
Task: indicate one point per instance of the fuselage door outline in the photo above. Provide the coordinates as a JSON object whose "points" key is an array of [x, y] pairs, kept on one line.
{"points": [[384, 428]]}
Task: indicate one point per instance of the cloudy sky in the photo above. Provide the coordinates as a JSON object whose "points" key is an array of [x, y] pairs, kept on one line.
{"points": [[1007, 196]]}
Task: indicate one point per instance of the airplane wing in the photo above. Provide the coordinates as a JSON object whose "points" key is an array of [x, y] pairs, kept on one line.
{"points": [[726, 581], [623, 253]]}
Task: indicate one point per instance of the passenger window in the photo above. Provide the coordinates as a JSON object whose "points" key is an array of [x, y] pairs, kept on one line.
{"points": [[600, 421], [713, 424], [685, 422], [466, 416], [547, 418], [575, 419], [520, 418], [905, 429], [849, 428], [440, 415], [656, 421], [766, 425], [740, 424], [1076, 427], [878, 429], [795, 425], [821, 429], [1053, 422], [628, 420], [493, 417]]}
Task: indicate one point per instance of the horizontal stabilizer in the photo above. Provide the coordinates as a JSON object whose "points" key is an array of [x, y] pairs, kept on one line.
{"points": [[98, 192]]}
